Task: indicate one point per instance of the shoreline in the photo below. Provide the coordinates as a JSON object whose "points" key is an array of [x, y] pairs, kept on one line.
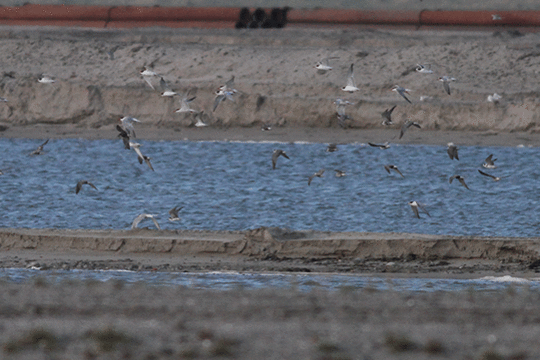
{"points": [[279, 134], [270, 250]]}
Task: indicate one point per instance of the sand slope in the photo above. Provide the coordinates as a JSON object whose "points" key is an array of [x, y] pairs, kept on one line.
{"points": [[275, 76]]}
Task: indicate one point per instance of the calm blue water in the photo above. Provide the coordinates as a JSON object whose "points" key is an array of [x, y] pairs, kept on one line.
{"points": [[231, 186], [302, 282]]}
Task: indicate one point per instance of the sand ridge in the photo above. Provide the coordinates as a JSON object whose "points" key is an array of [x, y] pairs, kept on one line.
{"points": [[274, 74]]}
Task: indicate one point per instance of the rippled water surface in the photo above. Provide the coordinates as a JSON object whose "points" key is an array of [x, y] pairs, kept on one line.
{"points": [[302, 282], [231, 186]]}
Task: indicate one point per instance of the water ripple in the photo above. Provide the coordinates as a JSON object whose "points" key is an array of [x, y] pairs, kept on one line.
{"points": [[231, 186]]}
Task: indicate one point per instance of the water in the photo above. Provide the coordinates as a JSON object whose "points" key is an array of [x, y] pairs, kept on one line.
{"points": [[303, 282], [231, 186]]}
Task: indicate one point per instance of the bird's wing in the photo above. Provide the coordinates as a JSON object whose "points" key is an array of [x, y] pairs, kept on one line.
{"points": [[78, 187], [310, 178], [147, 160], [486, 174], [229, 95], [218, 99], [147, 79], [399, 172], [350, 78], [446, 87], [163, 84], [415, 210], [155, 222], [275, 155], [137, 220], [125, 139], [405, 97], [92, 185], [423, 209], [404, 128], [230, 82], [138, 151]]}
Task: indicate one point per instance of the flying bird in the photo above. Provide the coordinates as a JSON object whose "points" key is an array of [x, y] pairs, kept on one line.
{"points": [[341, 105], [351, 85], [323, 66], [80, 185], [141, 217], [147, 161], [460, 179], [200, 123], [275, 156], [340, 173], [387, 116], [494, 98], [489, 163], [446, 83], [148, 75], [39, 149], [393, 167], [124, 135], [415, 206], [46, 80], [173, 213], [127, 124], [184, 103], [331, 148], [384, 146], [402, 91], [227, 87], [317, 174], [167, 92], [140, 156], [407, 125], [222, 96], [424, 68], [340, 109], [452, 151]]}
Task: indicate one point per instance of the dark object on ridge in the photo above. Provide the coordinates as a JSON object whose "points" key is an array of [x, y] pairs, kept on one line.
{"points": [[244, 20], [277, 20], [258, 18]]}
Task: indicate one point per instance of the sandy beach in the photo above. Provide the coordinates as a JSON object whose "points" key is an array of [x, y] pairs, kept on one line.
{"points": [[98, 81]]}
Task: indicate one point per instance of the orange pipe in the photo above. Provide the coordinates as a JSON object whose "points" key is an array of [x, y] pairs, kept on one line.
{"points": [[170, 24], [480, 18], [136, 13], [73, 23], [353, 17], [55, 12], [133, 16]]}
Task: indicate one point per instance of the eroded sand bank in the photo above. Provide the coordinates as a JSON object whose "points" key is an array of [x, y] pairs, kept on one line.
{"points": [[268, 249], [97, 77]]}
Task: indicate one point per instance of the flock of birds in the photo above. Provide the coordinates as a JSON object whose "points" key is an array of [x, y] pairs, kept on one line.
{"points": [[227, 92]]}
